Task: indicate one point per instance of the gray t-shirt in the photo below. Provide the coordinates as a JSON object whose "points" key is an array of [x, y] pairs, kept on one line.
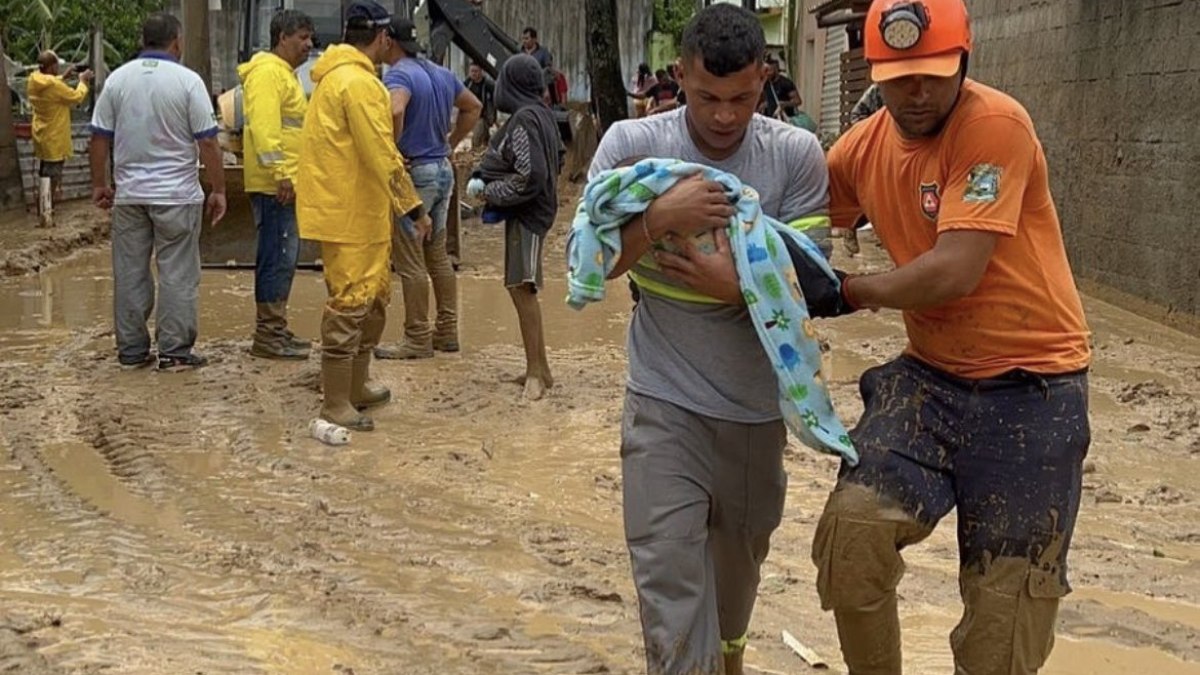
{"points": [[707, 358], [155, 109]]}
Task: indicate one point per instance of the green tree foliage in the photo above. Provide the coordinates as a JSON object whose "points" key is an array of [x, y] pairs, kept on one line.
{"points": [[670, 17], [29, 26]]}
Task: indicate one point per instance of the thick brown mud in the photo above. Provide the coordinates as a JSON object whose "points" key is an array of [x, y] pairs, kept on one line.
{"points": [[186, 523]]}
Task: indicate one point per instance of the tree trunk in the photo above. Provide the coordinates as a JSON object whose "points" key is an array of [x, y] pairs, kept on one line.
{"points": [[12, 191], [197, 52], [604, 62]]}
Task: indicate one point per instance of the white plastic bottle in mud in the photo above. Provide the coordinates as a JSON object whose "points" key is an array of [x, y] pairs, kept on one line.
{"points": [[328, 432]]}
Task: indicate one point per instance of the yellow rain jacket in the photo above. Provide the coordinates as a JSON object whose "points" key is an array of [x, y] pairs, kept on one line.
{"points": [[274, 105], [351, 176], [52, 100]]}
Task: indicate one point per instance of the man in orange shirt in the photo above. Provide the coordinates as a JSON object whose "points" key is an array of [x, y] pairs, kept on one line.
{"points": [[986, 411]]}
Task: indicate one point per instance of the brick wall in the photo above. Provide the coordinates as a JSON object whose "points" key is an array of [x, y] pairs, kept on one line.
{"points": [[1113, 87]]}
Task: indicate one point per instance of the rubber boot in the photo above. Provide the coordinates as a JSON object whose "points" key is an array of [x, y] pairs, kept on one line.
{"points": [[336, 381], [445, 332], [418, 336], [270, 341], [295, 342], [363, 394]]}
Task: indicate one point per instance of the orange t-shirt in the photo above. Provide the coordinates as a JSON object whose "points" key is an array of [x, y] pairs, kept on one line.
{"points": [[985, 171]]}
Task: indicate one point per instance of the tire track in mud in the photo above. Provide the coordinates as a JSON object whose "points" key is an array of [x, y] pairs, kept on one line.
{"points": [[80, 547], [126, 435]]}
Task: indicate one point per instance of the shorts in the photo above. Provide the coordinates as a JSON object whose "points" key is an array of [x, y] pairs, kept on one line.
{"points": [[522, 256], [51, 169]]}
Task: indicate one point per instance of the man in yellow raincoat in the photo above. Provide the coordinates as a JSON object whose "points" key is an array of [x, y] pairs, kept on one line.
{"points": [[351, 180], [275, 105], [52, 99]]}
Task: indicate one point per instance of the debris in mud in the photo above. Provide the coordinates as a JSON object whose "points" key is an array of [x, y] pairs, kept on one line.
{"points": [[492, 633], [1164, 495], [1139, 428], [1106, 495], [17, 395], [581, 591], [1141, 393]]}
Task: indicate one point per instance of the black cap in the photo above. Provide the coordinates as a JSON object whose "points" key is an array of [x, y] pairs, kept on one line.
{"points": [[404, 32], [367, 14]]}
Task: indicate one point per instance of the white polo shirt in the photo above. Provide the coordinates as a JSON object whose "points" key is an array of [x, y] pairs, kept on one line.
{"points": [[155, 109]]}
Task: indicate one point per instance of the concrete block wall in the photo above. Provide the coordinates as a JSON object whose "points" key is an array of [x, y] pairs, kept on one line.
{"points": [[1113, 87]]}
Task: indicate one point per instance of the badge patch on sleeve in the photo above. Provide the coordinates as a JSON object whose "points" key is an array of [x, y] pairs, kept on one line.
{"points": [[983, 184]]}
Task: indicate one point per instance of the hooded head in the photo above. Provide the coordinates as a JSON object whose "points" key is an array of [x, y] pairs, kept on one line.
{"points": [[520, 84]]}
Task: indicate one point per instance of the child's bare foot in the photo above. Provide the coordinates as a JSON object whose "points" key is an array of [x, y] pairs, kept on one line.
{"points": [[534, 388]]}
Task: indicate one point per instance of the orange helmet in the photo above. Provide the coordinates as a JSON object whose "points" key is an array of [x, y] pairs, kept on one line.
{"points": [[921, 37]]}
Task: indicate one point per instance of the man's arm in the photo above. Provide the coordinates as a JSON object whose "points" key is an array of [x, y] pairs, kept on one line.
{"points": [[374, 141], [469, 111], [103, 127], [98, 151], [64, 93], [794, 98], [263, 103], [952, 269], [214, 168], [400, 98]]}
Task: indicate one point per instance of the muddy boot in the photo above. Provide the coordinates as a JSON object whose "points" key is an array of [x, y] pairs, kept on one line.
{"points": [[418, 335], [364, 394], [296, 343], [406, 351], [269, 334], [445, 293], [336, 381]]}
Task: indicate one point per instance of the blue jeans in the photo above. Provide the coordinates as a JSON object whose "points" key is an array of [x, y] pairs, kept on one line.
{"points": [[278, 248], [434, 182]]}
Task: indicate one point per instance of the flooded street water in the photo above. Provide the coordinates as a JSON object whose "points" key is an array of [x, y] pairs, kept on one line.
{"points": [[185, 523]]}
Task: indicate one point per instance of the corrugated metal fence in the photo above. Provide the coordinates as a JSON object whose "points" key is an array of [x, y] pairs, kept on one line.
{"points": [[77, 182]]}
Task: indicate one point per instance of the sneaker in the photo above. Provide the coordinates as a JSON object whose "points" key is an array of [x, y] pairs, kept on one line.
{"points": [[136, 363], [171, 364]]}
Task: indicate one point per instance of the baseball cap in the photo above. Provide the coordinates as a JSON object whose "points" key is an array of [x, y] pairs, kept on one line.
{"points": [[404, 32], [366, 14], [925, 37]]}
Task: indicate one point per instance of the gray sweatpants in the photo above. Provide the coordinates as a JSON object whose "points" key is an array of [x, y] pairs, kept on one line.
{"points": [[702, 497], [172, 234]]}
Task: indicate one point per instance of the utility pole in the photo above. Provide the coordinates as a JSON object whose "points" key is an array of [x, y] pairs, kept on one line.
{"points": [[12, 191], [604, 61], [197, 53]]}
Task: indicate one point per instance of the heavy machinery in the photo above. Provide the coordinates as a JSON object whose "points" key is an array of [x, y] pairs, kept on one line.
{"points": [[440, 24]]}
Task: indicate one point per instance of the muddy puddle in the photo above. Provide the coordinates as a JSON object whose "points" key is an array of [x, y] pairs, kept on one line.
{"points": [[185, 523]]}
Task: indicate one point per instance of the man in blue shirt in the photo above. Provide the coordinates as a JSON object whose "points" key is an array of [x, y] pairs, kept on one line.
{"points": [[424, 96]]}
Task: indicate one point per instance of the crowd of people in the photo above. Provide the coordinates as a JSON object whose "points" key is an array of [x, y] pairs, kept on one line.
{"points": [[984, 412]]}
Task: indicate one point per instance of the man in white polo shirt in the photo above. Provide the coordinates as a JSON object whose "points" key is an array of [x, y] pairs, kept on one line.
{"points": [[154, 114]]}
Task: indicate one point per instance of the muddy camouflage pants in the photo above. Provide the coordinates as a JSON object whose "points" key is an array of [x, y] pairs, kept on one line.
{"points": [[701, 499], [1008, 454]]}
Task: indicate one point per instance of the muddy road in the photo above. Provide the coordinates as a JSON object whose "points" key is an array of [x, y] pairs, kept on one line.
{"points": [[186, 524]]}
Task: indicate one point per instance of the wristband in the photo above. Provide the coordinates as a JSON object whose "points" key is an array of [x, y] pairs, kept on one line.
{"points": [[646, 229], [847, 296]]}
